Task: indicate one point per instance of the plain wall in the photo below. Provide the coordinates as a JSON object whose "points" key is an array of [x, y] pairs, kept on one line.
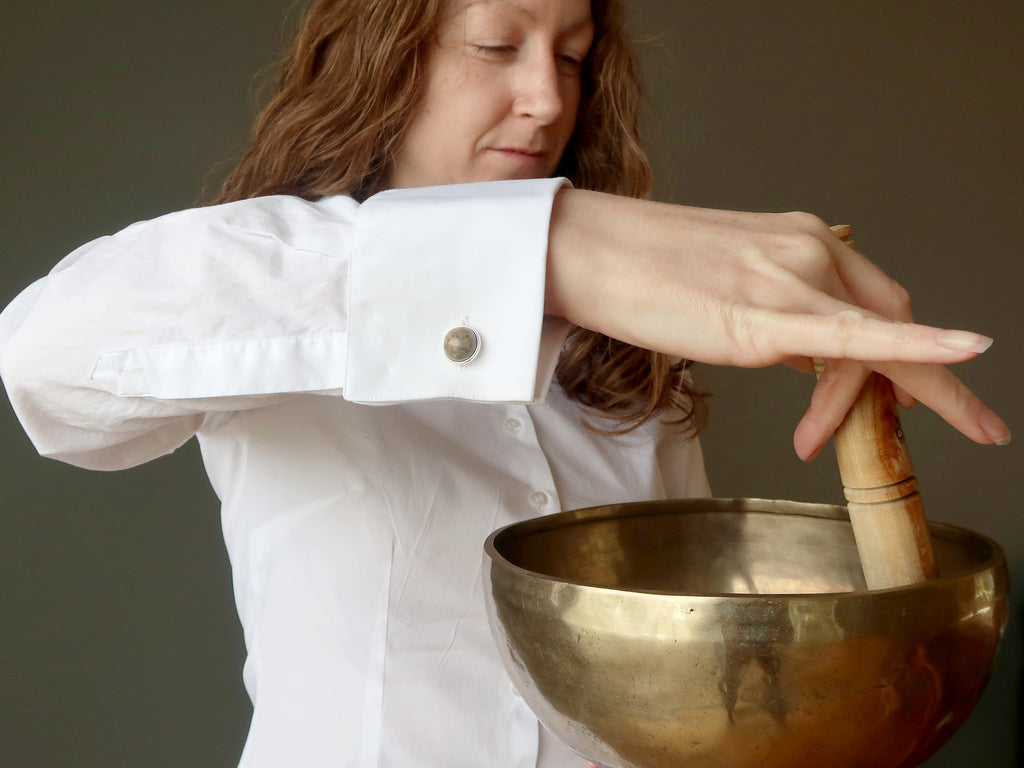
{"points": [[119, 644]]}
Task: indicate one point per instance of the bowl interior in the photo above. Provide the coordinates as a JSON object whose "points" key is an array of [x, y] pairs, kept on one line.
{"points": [[711, 547]]}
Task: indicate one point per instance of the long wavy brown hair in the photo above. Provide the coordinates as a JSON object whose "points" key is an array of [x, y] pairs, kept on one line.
{"points": [[345, 92]]}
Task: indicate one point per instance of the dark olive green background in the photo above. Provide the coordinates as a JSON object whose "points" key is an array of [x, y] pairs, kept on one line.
{"points": [[118, 640]]}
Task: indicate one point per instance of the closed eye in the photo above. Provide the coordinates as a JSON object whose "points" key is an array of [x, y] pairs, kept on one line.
{"points": [[494, 51]]}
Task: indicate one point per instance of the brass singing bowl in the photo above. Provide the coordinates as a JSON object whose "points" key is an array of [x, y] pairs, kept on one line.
{"points": [[734, 633]]}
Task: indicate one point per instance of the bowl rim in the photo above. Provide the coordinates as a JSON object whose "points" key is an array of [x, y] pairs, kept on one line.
{"points": [[996, 559]]}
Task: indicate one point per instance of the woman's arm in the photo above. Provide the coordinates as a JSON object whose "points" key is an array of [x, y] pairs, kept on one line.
{"points": [[106, 359], [118, 355], [751, 290]]}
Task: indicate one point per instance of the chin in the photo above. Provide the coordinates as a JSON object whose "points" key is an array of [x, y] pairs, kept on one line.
{"points": [[518, 174]]}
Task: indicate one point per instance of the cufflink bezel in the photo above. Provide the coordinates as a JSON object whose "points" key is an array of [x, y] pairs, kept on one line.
{"points": [[462, 345]]}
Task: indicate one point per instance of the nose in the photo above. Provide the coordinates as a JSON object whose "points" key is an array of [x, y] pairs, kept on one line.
{"points": [[539, 88]]}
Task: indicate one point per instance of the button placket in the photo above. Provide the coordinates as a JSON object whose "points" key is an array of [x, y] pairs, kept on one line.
{"points": [[540, 496]]}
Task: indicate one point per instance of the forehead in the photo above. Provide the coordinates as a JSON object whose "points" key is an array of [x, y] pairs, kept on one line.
{"points": [[573, 11]]}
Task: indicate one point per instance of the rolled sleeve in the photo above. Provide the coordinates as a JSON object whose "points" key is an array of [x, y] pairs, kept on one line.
{"points": [[469, 255]]}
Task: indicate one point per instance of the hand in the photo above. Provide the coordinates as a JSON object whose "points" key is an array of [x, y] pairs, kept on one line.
{"points": [[751, 290]]}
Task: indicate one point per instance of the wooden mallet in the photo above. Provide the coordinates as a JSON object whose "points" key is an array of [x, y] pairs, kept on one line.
{"points": [[881, 491]]}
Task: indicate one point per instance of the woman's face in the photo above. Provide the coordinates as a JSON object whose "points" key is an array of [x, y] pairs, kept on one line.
{"points": [[502, 92]]}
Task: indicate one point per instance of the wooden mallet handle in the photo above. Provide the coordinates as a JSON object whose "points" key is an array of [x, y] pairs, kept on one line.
{"points": [[885, 505], [881, 491]]}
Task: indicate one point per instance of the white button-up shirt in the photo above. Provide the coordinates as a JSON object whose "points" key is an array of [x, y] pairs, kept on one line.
{"points": [[267, 327]]}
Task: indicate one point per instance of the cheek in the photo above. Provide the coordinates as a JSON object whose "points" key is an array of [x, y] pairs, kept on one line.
{"points": [[461, 101]]}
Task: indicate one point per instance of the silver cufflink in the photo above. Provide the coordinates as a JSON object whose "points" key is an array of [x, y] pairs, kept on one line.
{"points": [[462, 344]]}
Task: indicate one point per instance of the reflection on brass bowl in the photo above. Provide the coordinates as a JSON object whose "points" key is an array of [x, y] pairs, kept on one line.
{"points": [[735, 633]]}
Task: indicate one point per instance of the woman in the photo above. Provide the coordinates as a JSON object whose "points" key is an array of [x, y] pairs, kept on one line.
{"points": [[266, 324]]}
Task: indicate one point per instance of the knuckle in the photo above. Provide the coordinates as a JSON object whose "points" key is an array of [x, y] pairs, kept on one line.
{"points": [[740, 336], [900, 298], [756, 346], [849, 327], [808, 255], [807, 222]]}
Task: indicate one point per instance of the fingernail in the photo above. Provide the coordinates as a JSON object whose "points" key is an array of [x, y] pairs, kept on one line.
{"points": [[994, 427], [814, 454], [964, 340]]}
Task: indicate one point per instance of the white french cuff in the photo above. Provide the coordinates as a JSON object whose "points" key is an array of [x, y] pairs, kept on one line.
{"points": [[465, 255]]}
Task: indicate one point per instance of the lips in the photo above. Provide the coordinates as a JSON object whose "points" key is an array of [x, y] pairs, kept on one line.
{"points": [[521, 152], [521, 162]]}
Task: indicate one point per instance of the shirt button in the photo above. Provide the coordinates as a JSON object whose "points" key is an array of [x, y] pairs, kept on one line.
{"points": [[539, 499], [512, 426], [461, 344]]}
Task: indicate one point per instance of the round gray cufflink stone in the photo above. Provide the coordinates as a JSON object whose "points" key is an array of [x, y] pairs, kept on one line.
{"points": [[461, 344]]}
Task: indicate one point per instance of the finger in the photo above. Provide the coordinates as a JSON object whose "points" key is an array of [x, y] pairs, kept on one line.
{"points": [[838, 387], [844, 232], [850, 334], [869, 285], [904, 398], [936, 387]]}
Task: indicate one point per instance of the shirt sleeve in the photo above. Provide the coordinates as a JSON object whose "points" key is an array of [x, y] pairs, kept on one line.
{"points": [[119, 354]]}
